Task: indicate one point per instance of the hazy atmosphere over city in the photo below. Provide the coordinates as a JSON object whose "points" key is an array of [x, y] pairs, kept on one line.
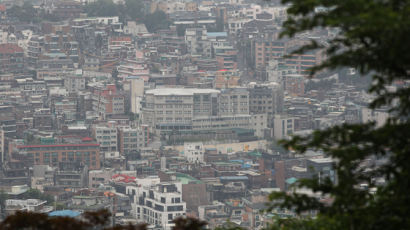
{"points": [[204, 114]]}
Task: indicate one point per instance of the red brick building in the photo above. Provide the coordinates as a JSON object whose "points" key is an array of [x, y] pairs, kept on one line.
{"points": [[85, 152], [11, 58], [276, 49], [108, 101]]}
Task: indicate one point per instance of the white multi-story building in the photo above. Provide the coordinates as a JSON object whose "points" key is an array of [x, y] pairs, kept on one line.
{"points": [[157, 204], [283, 127], [135, 29], [379, 116], [259, 123], [221, 122], [137, 93], [174, 108], [31, 205], [168, 109], [194, 152]]}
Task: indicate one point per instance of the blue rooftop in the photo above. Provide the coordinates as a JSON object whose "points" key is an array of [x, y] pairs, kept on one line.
{"points": [[65, 213], [217, 34], [291, 180]]}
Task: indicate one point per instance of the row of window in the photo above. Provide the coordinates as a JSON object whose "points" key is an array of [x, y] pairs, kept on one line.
{"points": [[57, 148], [176, 112], [54, 154], [172, 106], [159, 119]]}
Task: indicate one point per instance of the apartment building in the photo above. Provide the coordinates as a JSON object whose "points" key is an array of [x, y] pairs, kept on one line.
{"points": [[189, 109], [66, 107], [108, 101], [303, 62], [35, 48], [11, 58], [54, 67], [158, 204], [212, 123], [268, 49], [43, 119], [283, 127], [130, 67], [225, 78], [295, 84], [85, 152], [8, 120], [194, 152], [234, 101], [106, 136], [321, 168], [266, 99], [130, 139], [174, 108], [272, 48], [196, 39], [379, 116], [74, 82], [121, 45]]}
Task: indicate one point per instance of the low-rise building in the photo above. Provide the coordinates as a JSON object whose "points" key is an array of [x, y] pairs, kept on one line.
{"points": [[29, 205], [194, 152]]}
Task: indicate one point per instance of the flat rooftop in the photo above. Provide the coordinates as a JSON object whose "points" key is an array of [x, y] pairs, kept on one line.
{"points": [[180, 91], [322, 160]]}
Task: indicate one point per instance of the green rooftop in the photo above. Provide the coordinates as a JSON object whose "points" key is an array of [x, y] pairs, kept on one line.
{"points": [[255, 154], [186, 179]]}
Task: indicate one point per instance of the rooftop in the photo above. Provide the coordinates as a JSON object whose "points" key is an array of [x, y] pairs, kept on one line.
{"points": [[187, 179], [64, 213], [180, 91], [322, 160], [56, 145], [217, 34]]}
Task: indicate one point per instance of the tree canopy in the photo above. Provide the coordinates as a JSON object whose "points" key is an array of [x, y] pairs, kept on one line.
{"points": [[156, 21], [130, 10], [27, 13], [372, 38], [90, 220], [37, 194]]}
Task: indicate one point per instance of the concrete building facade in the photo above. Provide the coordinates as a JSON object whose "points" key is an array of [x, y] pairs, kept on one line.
{"points": [[158, 204]]}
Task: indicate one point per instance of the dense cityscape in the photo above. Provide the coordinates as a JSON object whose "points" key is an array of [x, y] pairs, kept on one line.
{"points": [[157, 109]]}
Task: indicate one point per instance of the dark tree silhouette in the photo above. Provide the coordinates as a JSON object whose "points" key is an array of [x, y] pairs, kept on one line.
{"points": [[90, 220], [39, 221], [372, 37]]}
